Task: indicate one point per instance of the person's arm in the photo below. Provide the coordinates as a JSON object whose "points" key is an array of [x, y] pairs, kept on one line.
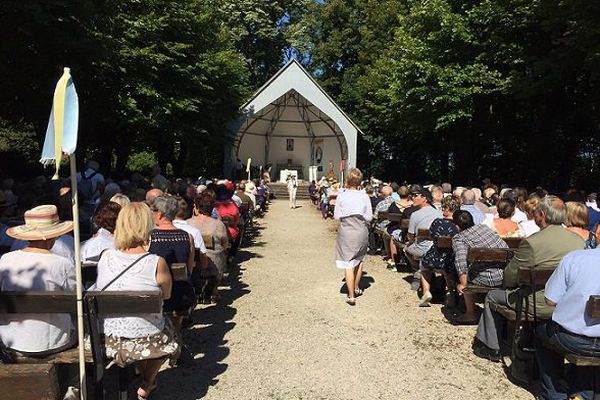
{"points": [[460, 249], [368, 208], [523, 257], [163, 278], [202, 262], [337, 210], [412, 227], [557, 284], [190, 262]]}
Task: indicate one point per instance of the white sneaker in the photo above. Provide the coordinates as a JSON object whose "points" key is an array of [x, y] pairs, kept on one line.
{"points": [[425, 299]]}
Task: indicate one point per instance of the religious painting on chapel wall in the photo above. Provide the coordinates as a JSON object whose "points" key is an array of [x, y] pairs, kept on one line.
{"points": [[289, 145]]}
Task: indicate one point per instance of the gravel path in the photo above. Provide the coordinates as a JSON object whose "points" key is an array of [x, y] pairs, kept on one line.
{"points": [[283, 330]]}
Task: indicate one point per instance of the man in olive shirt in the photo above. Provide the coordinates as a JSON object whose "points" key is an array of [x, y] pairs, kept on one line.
{"points": [[543, 249]]}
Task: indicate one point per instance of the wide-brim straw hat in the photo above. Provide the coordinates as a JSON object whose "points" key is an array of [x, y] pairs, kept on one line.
{"points": [[250, 187], [41, 223]]}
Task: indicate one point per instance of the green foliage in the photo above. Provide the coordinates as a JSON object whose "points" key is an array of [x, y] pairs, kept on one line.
{"points": [[148, 73], [18, 147], [465, 90], [142, 161]]}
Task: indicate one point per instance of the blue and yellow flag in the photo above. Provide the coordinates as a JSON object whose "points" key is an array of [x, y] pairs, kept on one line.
{"points": [[61, 134]]}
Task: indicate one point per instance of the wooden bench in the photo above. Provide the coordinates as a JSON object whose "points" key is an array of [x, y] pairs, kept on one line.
{"points": [[592, 310], [486, 255], [40, 374], [513, 242], [534, 278]]}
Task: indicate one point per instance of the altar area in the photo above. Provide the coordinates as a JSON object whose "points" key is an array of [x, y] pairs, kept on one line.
{"points": [[292, 125]]}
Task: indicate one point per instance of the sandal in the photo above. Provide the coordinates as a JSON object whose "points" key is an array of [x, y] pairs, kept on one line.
{"points": [[147, 388], [351, 301], [358, 292]]}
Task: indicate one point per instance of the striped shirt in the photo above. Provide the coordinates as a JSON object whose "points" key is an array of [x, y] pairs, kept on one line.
{"points": [[485, 274]]}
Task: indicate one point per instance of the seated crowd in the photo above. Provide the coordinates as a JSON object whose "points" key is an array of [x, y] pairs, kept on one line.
{"points": [[479, 240], [139, 230]]}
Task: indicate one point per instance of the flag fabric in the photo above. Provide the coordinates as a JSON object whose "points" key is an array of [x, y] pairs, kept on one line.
{"points": [[61, 134], [248, 165]]}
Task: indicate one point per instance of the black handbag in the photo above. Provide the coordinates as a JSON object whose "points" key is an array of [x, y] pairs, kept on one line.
{"points": [[523, 368]]}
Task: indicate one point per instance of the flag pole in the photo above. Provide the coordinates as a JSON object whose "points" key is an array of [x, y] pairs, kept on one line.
{"points": [[77, 240]]}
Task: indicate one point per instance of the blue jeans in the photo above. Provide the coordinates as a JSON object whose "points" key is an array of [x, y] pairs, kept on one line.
{"points": [[551, 364]]}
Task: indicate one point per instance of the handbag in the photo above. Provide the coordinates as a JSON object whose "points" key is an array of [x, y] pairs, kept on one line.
{"points": [[523, 368]]}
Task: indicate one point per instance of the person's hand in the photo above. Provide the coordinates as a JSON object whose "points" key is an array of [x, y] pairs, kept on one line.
{"points": [[460, 288]]}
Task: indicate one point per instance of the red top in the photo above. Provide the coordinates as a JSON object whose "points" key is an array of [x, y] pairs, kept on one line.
{"points": [[227, 208]]}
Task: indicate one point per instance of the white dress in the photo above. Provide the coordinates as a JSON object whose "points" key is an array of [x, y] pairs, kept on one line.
{"points": [[22, 271]]}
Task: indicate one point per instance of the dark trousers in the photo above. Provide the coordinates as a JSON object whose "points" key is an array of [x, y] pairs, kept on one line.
{"points": [[554, 382]]}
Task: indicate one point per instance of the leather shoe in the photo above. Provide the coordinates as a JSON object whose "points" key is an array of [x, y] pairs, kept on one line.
{"points": [[482, 351]]}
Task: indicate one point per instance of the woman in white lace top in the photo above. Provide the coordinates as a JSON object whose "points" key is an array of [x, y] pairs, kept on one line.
{"points": [[144, 339]]}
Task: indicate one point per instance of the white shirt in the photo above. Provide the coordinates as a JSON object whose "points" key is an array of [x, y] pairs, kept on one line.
{"points": [[21, 271], [63, 246], [96, 245], [529, 227], [236, 199], [353, 202], [291, 183], [519, 216], [195, 232]]}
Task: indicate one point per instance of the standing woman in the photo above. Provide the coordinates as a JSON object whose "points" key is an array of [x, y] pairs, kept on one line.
{"points": [[353, 209]]}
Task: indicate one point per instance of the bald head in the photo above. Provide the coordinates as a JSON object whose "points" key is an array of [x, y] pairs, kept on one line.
{"points": [[386, 191], [151, 195], [467, 197]]}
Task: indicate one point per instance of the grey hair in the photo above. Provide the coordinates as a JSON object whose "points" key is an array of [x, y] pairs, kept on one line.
{"points": [[554, 209], [167, 205], [467, 197]]}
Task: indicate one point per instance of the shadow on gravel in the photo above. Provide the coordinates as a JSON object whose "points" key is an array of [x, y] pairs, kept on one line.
{"points": [[365, 283], [205, 341]]}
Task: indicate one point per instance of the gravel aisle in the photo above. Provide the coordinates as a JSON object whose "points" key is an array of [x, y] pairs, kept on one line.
{"points": [[284, 331]]}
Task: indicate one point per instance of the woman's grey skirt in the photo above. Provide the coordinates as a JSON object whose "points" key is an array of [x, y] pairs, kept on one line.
{"points": [[352, 240]]}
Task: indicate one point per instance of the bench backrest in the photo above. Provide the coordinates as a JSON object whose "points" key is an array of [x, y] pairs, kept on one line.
{"points": [[228, 220], [423, 234], [209, 241], [534, 277], [478, 254], [513, 242], [382, 216], [109, 302], [444, 243], [593, 307]]}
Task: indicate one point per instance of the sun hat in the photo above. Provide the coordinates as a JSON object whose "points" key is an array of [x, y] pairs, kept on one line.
{"points": [[250, 187], [41, 223]]}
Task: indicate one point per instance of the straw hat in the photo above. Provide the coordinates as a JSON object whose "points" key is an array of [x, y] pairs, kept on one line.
{"points": [[250, 186], [41, 223]]}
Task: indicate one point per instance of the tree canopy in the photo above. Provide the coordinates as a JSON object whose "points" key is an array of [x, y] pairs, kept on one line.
{"points": [[442, 89]]}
